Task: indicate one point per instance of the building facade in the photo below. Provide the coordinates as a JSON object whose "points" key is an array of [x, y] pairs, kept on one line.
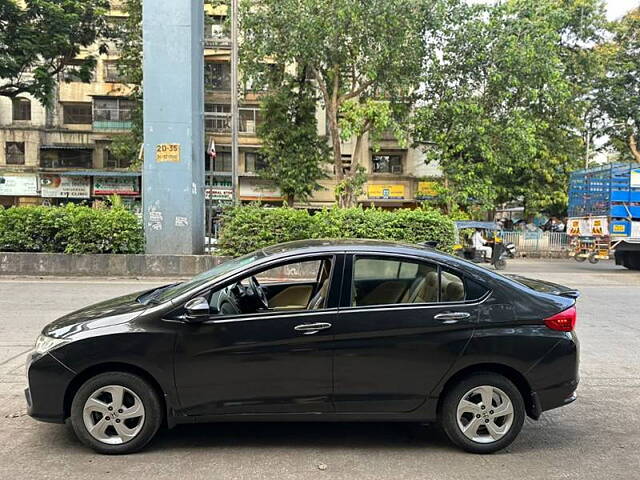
{"points": [[61, 153]]}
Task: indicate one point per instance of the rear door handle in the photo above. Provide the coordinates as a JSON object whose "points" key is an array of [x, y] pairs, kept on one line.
{"points": [[452, 317], [311, 328]]}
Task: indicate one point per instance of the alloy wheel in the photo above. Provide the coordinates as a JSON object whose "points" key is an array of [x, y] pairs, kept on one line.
{"points": [[113, 414], [485, 414]]}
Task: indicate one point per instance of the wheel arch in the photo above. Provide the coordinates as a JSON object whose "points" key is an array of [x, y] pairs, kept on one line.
{"points": [[519, 380], [97, 369]]}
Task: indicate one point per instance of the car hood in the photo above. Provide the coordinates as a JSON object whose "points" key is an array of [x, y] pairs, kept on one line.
{"points": [[546, 287], [110, 312]]}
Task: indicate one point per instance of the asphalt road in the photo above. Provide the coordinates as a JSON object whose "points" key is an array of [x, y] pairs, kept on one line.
{"points": [[597, 437]]}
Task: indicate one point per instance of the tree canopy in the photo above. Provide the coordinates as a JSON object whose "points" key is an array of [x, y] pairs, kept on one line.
{"points": [[355, 51], [504, 99], [618, 92], [294, 154], [39, 38]]}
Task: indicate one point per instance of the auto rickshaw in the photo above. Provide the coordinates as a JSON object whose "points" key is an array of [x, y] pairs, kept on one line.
{"points": [[493, 233]]}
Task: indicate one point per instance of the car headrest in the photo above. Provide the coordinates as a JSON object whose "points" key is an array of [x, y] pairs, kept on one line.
{"points": [[454, 292]]}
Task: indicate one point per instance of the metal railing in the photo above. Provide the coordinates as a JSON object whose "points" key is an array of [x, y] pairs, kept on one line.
{"points": [[111, 115], [220, 122], [537, 241]]}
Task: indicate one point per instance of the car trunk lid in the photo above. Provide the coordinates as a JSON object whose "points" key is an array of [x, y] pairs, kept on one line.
{"points": [[543, 286]]}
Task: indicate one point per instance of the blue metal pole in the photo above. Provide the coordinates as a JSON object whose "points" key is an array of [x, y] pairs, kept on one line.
{"points": [[173, 175]]}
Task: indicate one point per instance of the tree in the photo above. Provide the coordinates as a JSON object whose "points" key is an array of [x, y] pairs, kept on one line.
{"points": [[39, 38], [504, 99], [293, 151], [355, 51], [619, 90], [128, 39]]}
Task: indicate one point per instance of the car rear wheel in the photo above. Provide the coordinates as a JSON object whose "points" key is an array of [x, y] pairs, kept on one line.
{"points": [[116, 412], [482, 413]]}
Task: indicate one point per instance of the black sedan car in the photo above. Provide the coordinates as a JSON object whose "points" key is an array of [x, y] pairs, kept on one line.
{"points": [[314, 331]]}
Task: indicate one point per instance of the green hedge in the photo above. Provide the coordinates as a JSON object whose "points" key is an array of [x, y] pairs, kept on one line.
{"points": [[70, 229], [249, 228]]}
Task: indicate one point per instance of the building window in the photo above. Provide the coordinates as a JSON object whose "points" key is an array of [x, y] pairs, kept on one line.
{"points": [[15, 153], [72, 69], [346, 164], [217, 76], [250, 118], [217, 117], [71, 158], [21, 109], [386, 163], [112, 72], [77, 113], [110, 161], [254, 162], [112, 109], [214, 31], [222, 162]]}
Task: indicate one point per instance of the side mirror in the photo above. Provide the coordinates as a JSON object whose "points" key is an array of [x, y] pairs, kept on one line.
{"points": [[197, 309]]}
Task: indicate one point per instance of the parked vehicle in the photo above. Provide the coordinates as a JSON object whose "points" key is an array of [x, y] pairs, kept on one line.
{"points": [[604, 211], [500, 251], [314, 331]]}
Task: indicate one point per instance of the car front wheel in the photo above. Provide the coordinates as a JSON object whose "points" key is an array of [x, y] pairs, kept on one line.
{"points": [[482, 413], [116, 412]]}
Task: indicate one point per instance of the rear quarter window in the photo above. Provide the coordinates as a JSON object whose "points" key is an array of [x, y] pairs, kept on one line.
{"points": [[474, 290]]}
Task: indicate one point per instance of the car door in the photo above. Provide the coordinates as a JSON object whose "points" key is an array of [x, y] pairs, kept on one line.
{"points": [[389, 354], [260, 363]]}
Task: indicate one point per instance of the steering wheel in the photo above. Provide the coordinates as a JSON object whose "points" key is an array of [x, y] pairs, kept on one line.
{"points": [[258, 293]]}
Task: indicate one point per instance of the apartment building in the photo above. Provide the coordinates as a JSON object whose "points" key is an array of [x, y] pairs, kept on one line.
{"points": [[60, 154]]}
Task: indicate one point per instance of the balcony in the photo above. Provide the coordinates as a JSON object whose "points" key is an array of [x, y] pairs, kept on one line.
{"points": [[220, 122], [111, 119]]}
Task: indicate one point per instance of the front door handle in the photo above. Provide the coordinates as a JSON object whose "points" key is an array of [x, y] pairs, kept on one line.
{"points": [[311, 328], [451, 317]]}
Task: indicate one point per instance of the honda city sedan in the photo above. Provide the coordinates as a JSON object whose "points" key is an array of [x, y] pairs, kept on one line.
{"points": [[314, 331]]}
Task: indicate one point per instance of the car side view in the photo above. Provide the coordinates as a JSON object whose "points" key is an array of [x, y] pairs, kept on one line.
{"points": [[350, 330]]}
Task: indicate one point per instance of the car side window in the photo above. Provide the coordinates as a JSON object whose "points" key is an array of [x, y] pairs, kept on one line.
{"points": [[290, 286], [452, 287], [385, 281]]}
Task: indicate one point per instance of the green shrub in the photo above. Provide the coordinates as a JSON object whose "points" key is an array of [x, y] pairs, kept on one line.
{"points": [[252, 227], [70, 229]]}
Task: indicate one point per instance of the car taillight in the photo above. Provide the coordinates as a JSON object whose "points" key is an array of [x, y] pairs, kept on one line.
{"points": [[564, 321]]}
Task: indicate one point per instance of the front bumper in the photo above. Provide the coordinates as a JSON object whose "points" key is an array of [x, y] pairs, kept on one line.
{"points": [[48, 380]]}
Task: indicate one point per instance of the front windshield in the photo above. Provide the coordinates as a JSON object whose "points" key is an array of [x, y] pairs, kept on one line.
{"points": [[176, 290]]}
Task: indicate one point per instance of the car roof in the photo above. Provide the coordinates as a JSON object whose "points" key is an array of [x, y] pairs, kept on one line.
{"points": [[322, 246], [325, 245]]}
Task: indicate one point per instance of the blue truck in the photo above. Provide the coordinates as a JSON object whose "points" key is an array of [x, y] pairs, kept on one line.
{"points": [[604, 214]]}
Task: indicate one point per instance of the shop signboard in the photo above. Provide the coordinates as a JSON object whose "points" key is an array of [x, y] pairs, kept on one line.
{"points": [[219, 193], [18, 185], [128, 186], [427, 190], [635, 178], [59, 186], [386, 192]]}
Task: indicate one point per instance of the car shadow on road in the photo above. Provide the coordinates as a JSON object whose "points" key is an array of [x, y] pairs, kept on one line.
{"points": [[300, 435]]}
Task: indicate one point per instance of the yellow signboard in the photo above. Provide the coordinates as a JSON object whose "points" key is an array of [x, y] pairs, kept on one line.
{"points": [[427, 189], [168, 153], [386, 192]]}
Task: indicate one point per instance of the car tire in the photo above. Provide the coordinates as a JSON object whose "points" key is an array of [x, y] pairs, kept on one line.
{"points": [[501, 264], [455, 415], [102, 399]]}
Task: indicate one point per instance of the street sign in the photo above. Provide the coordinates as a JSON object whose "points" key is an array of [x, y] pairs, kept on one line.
{"points": [[168, 153]]}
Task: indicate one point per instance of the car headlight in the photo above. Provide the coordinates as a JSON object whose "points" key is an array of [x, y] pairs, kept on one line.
{"points": [[45, 344]]}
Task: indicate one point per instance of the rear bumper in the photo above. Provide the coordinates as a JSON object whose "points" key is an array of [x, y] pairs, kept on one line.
{"points": [[48, 382], [555, 378], [554, 397]]}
